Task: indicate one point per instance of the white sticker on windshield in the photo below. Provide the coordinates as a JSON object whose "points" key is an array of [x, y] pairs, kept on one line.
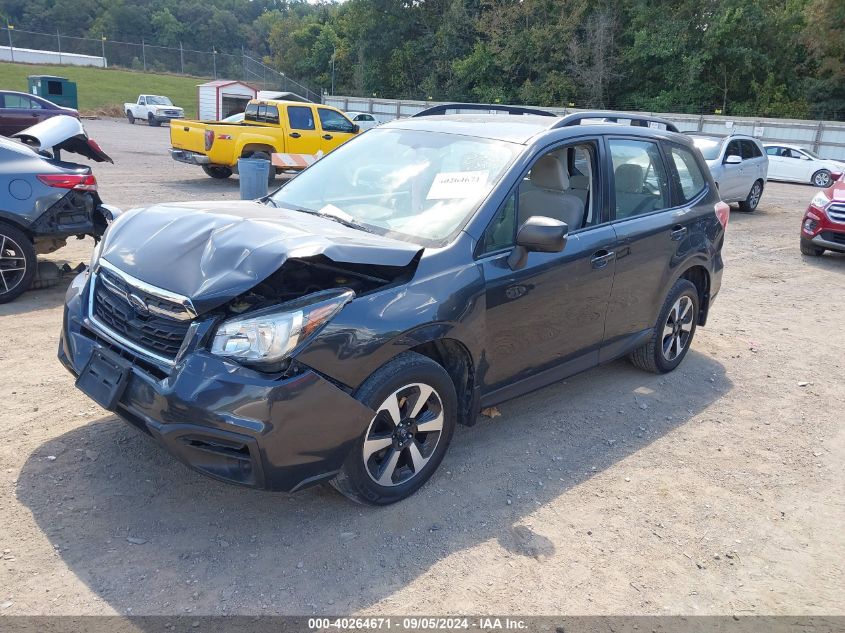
{"points": [[457, 184]]}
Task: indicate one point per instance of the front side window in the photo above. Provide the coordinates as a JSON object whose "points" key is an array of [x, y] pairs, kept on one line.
{"points": [[417, 186], [21, 101], [560, 185], [301, 118], [639, 178], [332, 121], [734, 149], [690, 179]]}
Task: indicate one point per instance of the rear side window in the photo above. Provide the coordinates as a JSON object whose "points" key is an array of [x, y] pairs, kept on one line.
{"points": [[251, 112], [773, 151], [639, 178], [301, 118], [749, 150], [689, 177], [272, 114], [332, 121]]}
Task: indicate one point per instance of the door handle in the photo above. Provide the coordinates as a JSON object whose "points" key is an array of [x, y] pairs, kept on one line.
{"points": [[328, 137], [294, 134], [602, 258], [678, 232]]}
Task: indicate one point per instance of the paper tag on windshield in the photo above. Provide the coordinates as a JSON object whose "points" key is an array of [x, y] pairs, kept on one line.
{"points": [[457, 184]]}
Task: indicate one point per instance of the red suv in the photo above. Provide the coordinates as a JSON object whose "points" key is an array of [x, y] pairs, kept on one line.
{"points": [[823, 226]]}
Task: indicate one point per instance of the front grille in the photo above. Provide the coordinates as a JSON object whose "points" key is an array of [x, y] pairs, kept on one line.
{"points": [[832, 236], [112, 308], [836, 212], [171, 112]]}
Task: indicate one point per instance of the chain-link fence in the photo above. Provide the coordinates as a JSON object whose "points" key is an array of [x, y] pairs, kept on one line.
{"points": [[35, 47]]}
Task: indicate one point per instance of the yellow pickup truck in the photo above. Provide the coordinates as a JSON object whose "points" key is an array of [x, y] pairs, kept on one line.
{"points": [[268, 127]]}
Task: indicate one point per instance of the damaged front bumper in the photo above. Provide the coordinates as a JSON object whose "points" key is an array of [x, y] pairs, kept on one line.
{"points": [[221, 419]]}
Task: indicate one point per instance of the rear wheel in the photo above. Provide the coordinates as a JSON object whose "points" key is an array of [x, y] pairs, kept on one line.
{"points": [[17, 262], [809, 249], [130, 117], [673, 331], [415, 414], [750, 203], [822, 178], [216, 171], [152, 121]]}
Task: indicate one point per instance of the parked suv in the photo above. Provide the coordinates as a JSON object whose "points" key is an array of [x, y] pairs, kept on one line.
{"points": [[739, 166], [339, 329], [823, 225]]}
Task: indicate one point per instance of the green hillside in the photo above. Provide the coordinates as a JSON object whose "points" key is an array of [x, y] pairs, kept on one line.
{"points": [[104, 90]]}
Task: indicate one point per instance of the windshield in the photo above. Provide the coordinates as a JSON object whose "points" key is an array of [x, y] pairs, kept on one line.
{"points": [[708, 147], [153, 100], [416, 186]]}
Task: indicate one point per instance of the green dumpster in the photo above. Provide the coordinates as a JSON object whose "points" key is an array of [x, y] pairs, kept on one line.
{"points": [[59, 90]]}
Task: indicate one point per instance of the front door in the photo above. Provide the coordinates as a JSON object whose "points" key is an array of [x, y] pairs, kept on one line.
{"points": [[336, 129], [303, 137], [553, 309]]}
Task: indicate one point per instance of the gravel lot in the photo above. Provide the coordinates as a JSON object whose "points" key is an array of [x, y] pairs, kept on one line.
{"points": [[716, 489]]}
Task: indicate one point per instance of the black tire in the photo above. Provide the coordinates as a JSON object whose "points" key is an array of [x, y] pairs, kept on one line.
{"points": [[653, 355], [217, 171], [809, 249], [152, 121], [356, 479], [130, 117], [271, 175], [15, 249], [822, 179], [753, 199]]}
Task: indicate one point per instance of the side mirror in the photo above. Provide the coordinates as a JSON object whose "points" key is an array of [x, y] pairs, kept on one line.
{"points": [[733, 159], [538, 234], [356, 128]]}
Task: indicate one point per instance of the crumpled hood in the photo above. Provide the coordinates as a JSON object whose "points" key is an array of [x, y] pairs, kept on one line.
{"points": [[211, 252]]}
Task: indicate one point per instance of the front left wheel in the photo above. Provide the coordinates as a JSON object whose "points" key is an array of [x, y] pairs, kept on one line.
{"points": [[822, 178], [415, 415]]}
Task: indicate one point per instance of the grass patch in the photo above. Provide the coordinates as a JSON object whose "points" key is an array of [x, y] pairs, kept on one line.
{"points": [[104, 91]]}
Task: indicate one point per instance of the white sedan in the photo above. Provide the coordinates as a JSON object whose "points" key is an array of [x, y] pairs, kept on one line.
{"points": [[363, 120], [790, 162]]}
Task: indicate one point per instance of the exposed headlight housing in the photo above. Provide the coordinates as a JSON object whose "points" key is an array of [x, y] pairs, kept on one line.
{"points": [[264, 338]]}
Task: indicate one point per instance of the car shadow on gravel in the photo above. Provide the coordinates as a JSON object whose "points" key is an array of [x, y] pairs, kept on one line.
{"points": [[149, 536], [834, 262]]}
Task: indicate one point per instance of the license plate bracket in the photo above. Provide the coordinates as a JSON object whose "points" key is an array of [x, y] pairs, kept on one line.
{"points": [[104, 378]]}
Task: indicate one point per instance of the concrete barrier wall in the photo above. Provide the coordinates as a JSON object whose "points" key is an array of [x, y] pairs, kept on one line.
{"points": [[32, 56], [826, 138]]}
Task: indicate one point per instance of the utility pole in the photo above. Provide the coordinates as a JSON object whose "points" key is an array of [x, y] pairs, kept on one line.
{"points": [[144, 54], [181, 58], [214, 59], [9, 29], [334, 54], [103, 43], [59, 42]]}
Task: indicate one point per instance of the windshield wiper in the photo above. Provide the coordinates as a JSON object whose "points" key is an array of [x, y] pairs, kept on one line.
{"points": [[330, 216]]}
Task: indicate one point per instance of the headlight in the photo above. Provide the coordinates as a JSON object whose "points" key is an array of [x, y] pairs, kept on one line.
{"points": [[266, 337], [820, 201]]}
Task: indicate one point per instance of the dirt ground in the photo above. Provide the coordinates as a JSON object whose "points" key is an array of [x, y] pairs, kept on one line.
{"points": [[716, 489]]}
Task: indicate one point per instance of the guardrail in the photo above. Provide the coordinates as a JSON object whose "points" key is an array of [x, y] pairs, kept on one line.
{"points": [[826, 138]]}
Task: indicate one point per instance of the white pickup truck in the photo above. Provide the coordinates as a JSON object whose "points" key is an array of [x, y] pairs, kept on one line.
{"points": [[155, 109]]}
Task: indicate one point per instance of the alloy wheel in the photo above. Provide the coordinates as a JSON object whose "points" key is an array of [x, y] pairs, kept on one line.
{"points": [[822, 179], [403, 434], [754, 197], [12, 264], [677, 329]]}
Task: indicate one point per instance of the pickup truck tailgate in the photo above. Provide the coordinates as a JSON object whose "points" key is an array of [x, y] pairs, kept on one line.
{"points": [[188, 135]]}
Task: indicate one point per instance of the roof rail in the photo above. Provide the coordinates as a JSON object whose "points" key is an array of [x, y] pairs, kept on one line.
{"points": [[443, 107], [639, 120]]}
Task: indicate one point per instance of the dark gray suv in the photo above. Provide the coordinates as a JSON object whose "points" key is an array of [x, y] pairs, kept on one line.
{"points": [[339, 329]]}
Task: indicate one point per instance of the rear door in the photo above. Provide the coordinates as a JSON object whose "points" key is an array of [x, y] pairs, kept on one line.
{"points": [[302, 136], [20, 112], [649, 226], [335, 129]]}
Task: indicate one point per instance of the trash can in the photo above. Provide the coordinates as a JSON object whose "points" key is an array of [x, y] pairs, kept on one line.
{"points": [[59, 90], [254, 174]]}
